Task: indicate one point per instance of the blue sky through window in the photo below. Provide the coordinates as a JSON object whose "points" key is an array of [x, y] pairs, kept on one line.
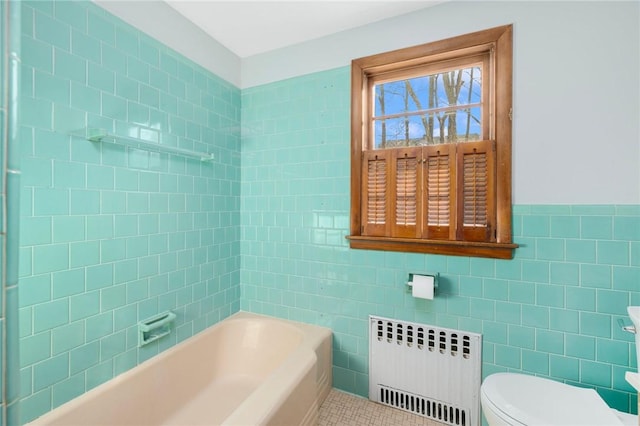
{"points": [[423, 110]]}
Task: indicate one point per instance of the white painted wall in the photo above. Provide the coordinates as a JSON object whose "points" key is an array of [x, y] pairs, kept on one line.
{"points": [[576, 87]]}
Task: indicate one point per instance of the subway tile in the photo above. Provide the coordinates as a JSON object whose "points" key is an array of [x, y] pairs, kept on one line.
{"points": [[522, 292], [84, 305], [595, 373], [495, 332], [564, 320], [37, 172], [101, 29], [535, 362], [137, 70], [522, 337], [564, 273], [101, 78], [535, 270], [85, 98], [35, 405], [579, 346], [535, 226], [580, 250], [635, 253], [595, 324], [68, 228], [596, 227], [54, 146], [83, 357], [113, 297], [550, 295], [613, 252], [508, 356], [67, 337], [67, 283], [127, 88], [626, 228], [113, 345], [114, 60], [72, 14], [99, 276], [50, 30], [626, 278], [35, 230], [99, 326], [99, 227], [612, 302], [598, 276], [550, 249], [50, 371], [85, 47], [35, 289], [583, 299], [612, 351], [70, 67], [51, 88], [593, 210], [127, 41], [510, 313], [564, 367], [50, 258], [84, 202], [495, 289], [549, 341], [35, 348], [535, 316], [113, 202], [67, 389], [66, 120], [50, 315], [100, 177], [564, 227], [36, 112], [125, 271]]}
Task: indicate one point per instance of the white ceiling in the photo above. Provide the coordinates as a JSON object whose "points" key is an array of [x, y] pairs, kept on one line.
{"points": [[251, 27]]}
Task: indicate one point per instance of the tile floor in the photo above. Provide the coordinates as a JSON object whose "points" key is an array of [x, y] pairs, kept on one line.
{"points": [[343, 409]]}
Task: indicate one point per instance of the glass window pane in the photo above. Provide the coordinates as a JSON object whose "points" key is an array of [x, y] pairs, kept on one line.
{"points": [[430, 109], [455, 125]]}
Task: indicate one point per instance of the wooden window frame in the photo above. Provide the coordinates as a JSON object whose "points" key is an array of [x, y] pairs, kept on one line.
{"points": [[498, 42]]}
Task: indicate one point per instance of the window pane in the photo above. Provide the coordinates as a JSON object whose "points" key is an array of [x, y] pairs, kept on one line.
{"points": [[430, 109], [456, 125]]}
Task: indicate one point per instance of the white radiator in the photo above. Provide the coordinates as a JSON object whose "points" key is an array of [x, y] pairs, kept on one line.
{"points": [[430, 371]]}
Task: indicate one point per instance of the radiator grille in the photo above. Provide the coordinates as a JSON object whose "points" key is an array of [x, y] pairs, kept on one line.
{"points": [[430, 371]]}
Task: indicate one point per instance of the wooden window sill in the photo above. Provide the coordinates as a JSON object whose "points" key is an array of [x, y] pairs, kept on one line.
{"points": [[443, 247]]}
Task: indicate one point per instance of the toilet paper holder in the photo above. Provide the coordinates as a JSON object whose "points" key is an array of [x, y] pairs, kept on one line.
{"points": [[435, 280]]}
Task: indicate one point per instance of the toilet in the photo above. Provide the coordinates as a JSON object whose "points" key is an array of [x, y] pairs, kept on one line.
{"points": [[513, 399]]}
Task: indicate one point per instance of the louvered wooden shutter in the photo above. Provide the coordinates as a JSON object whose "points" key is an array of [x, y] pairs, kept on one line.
{"points": [[439, 186], [405, 192], [375, 192], [476, 189]]}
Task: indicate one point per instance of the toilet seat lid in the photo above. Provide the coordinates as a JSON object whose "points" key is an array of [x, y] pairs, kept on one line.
{"points": [[533, 400]]}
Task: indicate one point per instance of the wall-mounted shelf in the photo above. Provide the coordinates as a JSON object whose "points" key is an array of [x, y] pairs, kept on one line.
{"points": [[102, 136]]}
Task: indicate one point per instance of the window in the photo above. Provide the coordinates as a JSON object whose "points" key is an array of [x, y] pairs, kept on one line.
{"points": [[431, 147]]}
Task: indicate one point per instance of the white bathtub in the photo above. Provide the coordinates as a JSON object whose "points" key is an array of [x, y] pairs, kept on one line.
{"points": [[246, 370]]}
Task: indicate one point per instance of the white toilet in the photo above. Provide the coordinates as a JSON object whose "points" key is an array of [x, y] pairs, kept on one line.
{"points": [[512, 399]]}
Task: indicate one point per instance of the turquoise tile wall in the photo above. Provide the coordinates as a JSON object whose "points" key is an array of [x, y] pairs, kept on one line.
{"points": [[111, 235], [551, 311], [10, 54], [4, 51]]}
